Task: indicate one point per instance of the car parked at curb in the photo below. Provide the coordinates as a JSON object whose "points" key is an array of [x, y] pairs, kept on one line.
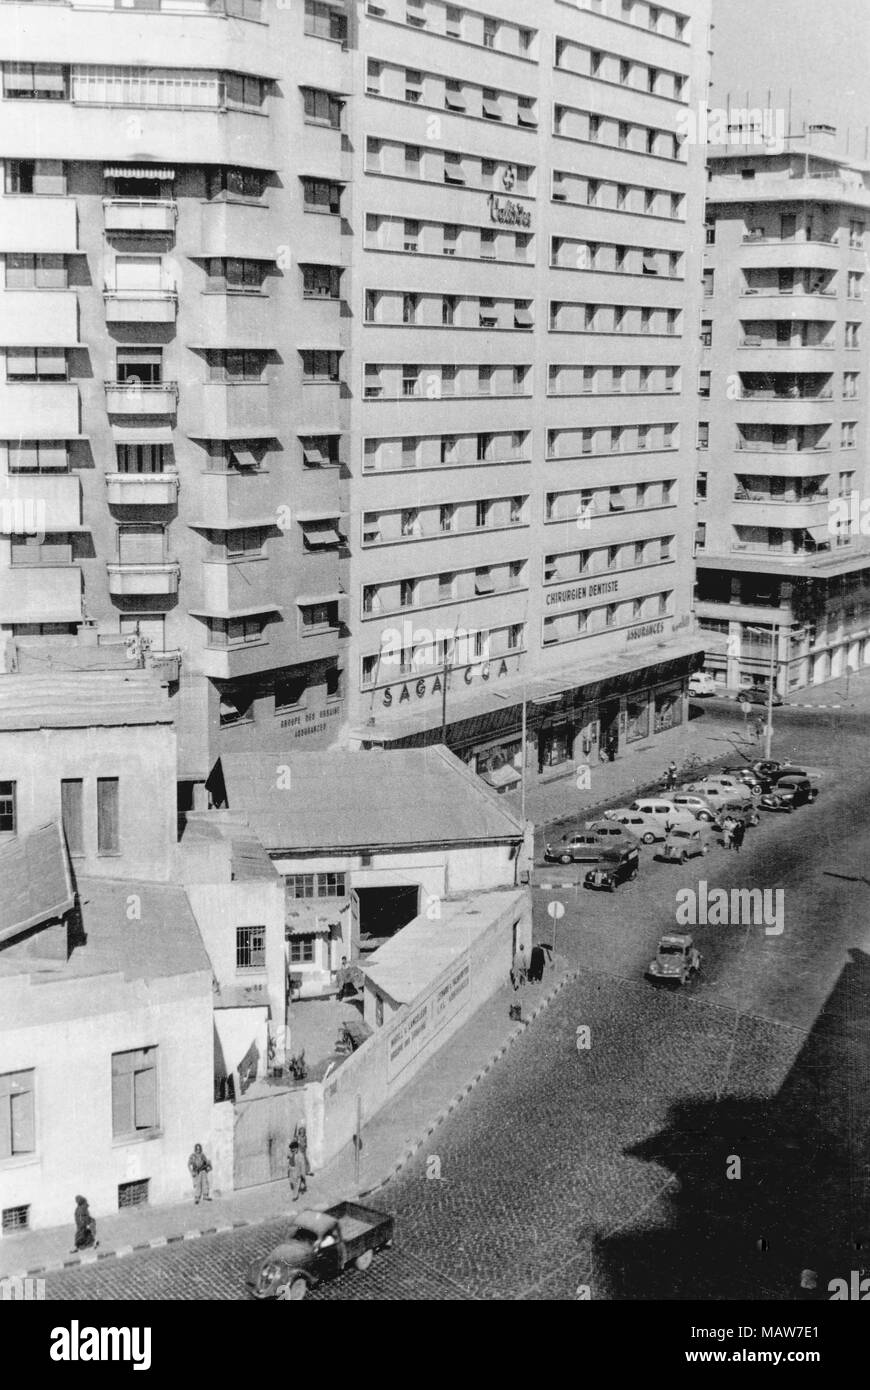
{"points": [[661, 809], [789, 793], [758, 695], [648, 829], [698, 806], [586, 846], [702, 683], [718, 792]]}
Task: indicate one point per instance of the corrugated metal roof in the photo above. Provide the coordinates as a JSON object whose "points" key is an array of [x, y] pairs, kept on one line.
{"points": [[63, 699]]}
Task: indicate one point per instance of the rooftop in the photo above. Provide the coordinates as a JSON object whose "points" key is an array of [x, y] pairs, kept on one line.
{"points": [[62, 699], [421, 951], [344, 801], [163, 939], [35, 880], [219, 836]]}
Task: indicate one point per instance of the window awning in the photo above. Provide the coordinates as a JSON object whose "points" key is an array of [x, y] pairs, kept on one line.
{"points": [[218, 432], [123, 432], [617, 502], [483, 584], [454, 101], [249, 523], [820, 534], [227, 614], [650, 265], [121, 171], [492, 110], [305, 517], [312, 600], [327, 536], [316, 431], [523, 318], [526, 117]]}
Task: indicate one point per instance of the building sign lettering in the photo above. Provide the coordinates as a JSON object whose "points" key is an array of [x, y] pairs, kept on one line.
{"points": [[310, 722], [508, 212], [422, 687], [580, 591], [417, 1030], [646, 630]]}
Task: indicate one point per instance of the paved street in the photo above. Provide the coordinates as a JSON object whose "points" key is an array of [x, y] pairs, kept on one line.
{"points": [[711, 1143]]}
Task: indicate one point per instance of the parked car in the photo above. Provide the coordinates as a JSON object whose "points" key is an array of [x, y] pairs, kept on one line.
{"points": [[717, 793], [663, 810], [646, 828], [586, 846], [613, 833], [683, 844], [789, 793], [320, 1245], [812, 774], [677, 959], [738, 810], [698, 806], [748, 776], [702, 683], [615, 867], [758, 695]]}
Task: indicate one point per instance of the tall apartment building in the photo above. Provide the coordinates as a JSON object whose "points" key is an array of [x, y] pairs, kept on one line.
{"points": [[349, 353], [783, 566]]}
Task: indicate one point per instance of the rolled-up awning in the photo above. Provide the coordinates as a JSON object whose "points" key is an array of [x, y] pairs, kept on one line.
{"points": [[143, 171], [123, 432]]}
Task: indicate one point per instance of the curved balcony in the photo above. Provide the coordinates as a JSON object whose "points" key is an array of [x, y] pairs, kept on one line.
{"points": [[785, 463], [759, 510], [770, 253], [141, 489], [763, 409], [756, 355], [773, 306]]}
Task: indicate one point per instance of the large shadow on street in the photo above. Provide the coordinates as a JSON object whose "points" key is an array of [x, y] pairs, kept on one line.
{"points": [[796, 1217]]}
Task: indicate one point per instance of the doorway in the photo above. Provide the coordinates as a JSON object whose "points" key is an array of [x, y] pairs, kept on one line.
{"points": [[384, 911]]}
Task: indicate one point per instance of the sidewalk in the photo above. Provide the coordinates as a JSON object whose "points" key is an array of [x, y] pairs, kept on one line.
{"points": [[389, 1141], [635, 771]]}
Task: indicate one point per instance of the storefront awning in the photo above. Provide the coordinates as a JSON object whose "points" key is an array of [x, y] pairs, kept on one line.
{"points": [[505, 776]]}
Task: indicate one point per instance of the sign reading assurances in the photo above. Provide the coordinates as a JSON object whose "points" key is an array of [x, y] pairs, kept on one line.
{"points": [[646, 630], [419, 1028]]}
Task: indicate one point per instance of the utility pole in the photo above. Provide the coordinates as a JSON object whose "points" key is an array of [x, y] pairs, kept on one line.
{"points": [[774, 653], [523, 760]]}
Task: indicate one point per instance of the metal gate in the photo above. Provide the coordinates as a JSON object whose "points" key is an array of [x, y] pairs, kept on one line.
{"points": [[262, 1129]]}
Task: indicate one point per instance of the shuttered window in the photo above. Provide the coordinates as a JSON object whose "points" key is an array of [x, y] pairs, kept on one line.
{"points": [[134, 1091], [108, 815], [17, 1124], [71, 799]]}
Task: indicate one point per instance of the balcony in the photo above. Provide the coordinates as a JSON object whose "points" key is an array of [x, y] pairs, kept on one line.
{"points": [[140, 306], [39, 318], [31, 502], [52, 594], [132, 579], [771, 253], [781, 514], [141, 489], [139, 398], [38, 225], [766, 355], [140, 215]]}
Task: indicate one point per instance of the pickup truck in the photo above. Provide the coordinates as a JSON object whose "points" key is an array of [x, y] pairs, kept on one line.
{"points": [[320, 1246]]}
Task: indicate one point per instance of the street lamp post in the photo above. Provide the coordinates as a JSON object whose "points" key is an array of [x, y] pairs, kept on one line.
{"points": [[774, 664]]}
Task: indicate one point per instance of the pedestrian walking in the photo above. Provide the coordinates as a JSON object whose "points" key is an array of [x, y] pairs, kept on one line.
{"points": [[728, 826], [671, 775], [738, 834], [86, 1226], [300, 1134], [296, 1170], [759, 729], [200, 1168]]}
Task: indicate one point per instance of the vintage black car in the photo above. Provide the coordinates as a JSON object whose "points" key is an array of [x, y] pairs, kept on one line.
{"points": [[615, 867]]}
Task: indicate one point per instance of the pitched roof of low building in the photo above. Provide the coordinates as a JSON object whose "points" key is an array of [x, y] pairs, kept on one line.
{"points": [[62, 699], [145, 931], [344, 800], [220, 834], [35, 880]]}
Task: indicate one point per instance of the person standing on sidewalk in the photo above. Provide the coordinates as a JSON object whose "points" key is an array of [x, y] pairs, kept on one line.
{"points": [[199, 1170], [738, 833], [300, 1134]]}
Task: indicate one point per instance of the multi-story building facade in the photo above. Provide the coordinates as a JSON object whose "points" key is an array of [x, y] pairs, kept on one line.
{"points": [[350, 354], [783, 566], [522, 414]]}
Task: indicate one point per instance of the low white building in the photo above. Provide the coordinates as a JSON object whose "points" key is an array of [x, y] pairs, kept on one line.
{"points": [[106, 1039], [367, 842]]}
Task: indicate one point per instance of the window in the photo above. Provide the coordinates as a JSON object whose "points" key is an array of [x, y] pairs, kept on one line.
{"points": [[454, 97], [701, 487], [853, 335], [703, 434], [8, 817], [320, 281], [324, 21], [40, 81], [447, 518], [71, 811], [848, 438], [454, 171], [850, 386], [242, 90], [706, 332], [139, 366], [322, 108], [31, 550], [27, 272], [232, 273], [250, 948], [108, 816], [320, 365], [232, 182], [490, 32], [234, 632], [481, 514], [133, 1194], [704, 380], [410, 306], [449, 303], [302, 950], [413, 170], [17, 1127], [37, 456], [134, 1092], [318, 195], [329, 884], [36, 364], [14, 1219], [708, 282]]}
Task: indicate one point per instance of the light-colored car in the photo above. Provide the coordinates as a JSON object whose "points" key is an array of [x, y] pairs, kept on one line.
{"points": [[697, 805], [702, 683], [716, 792], [661, 809], [646, 828], [684, 843], [613, 833], [677, 959]]}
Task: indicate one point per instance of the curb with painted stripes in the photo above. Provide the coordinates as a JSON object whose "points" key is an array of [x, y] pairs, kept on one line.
{"points": [[159, 1242]]}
